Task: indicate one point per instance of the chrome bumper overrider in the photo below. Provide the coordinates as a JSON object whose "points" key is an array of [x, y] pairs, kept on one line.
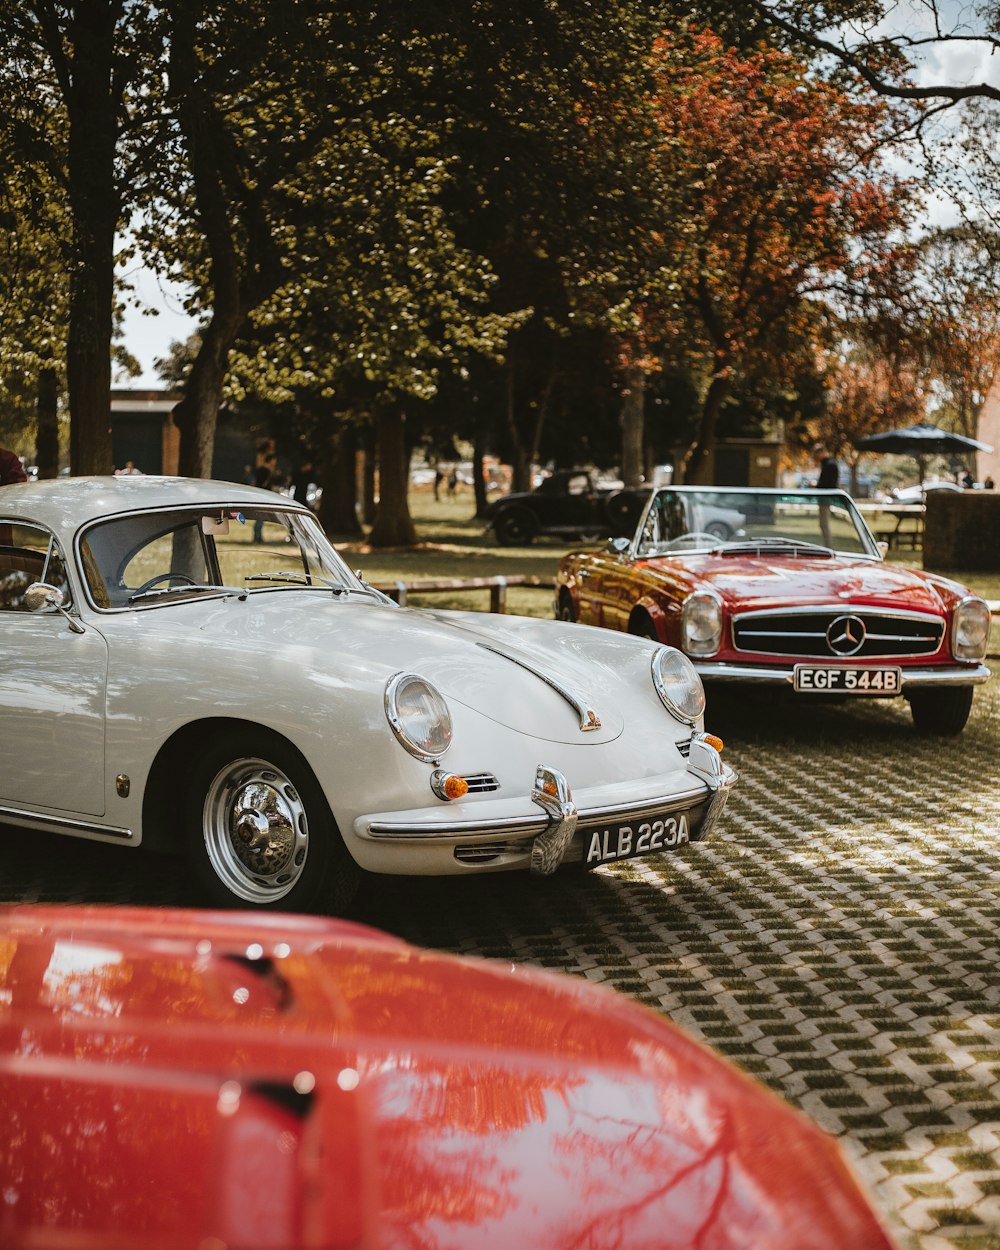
{"points": [[552, 830], [775, 675]]}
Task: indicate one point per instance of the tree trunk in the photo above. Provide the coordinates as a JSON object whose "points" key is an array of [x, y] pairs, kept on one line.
{"points": [[368, 475], [393, 524], [47, 413], [633, 425], [196, 416], [478, 478], [92, 106], [338, 509], [697, 457], [520, 456], [245, 266]]}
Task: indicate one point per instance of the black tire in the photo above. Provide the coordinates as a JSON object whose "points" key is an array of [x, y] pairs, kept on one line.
{"points": [[942, 713], [259, 830], [566, 611], [622, 509], [515, 527]]}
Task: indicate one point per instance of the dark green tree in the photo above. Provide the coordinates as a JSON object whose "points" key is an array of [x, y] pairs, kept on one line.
{"points": [[67, 80]]}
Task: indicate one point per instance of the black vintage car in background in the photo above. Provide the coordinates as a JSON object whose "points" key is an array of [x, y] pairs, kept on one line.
{"points": [[570, 504]]}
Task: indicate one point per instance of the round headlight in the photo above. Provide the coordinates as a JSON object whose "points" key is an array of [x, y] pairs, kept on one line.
{"points": [[678, 685], [418, 715], [701, 624], [970, 630]]}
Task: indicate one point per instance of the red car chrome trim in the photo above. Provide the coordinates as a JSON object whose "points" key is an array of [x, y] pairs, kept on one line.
{"points": [[779, 675]]}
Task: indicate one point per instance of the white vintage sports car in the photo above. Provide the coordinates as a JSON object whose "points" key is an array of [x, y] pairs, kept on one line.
{"points": [[190, 665]]}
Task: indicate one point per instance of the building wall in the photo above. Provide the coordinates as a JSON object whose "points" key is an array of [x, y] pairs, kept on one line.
{"points": [[988, 431]]}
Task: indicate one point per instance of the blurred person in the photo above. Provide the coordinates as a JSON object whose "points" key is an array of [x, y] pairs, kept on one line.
{"points": [[829, 470], [828, 479]]}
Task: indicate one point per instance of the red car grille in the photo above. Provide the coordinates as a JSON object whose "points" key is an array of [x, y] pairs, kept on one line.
{"points": [[838, 633]]}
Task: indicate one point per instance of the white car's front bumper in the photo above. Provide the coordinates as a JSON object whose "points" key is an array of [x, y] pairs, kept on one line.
{"points": [[504, 834]]}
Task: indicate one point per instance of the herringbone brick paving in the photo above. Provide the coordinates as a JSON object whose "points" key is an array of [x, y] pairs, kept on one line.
{"points": [[839, 938]]}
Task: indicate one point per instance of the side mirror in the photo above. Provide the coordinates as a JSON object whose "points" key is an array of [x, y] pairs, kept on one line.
{"points": [[41, 595], [618, 546]]}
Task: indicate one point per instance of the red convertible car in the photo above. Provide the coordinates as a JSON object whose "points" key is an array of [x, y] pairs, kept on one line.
{"points": [[796, 598], [185, 1080]]}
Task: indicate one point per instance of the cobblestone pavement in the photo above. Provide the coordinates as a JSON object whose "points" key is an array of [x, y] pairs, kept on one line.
{"points": [[839, 938]]}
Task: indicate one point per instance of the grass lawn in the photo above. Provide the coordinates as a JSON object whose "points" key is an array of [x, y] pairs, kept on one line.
{"points": [[454, 544]]}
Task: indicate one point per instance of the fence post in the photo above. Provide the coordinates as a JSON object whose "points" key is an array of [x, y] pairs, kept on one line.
{"points": [[401, 594], [498, 595]]}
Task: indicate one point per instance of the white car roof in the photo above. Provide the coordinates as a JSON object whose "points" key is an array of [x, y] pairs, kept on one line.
{"points": [[69, 502]]}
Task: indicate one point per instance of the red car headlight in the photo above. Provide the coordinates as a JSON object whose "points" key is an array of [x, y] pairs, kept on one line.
{"points": [[701, 624], [970, 629]]}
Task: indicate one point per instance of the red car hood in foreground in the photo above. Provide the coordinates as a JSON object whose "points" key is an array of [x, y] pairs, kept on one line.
{"points": [[187, 1079], [767, 581]]}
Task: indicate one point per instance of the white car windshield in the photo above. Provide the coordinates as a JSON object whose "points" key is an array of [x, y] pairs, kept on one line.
{"points": [[142, 557], [685, 520]]}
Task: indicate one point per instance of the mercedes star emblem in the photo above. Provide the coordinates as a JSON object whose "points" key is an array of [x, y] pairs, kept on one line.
{"points": [[846, 635]]}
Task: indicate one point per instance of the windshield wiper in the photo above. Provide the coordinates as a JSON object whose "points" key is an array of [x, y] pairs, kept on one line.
{"points": [[159, 592], [796, 545], [301, 579]]}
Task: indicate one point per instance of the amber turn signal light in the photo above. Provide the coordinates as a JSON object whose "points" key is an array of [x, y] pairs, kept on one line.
{"points": [[449, 786], [713, 741]]}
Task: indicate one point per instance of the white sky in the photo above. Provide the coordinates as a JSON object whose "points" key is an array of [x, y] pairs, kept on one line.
{"points": [[150, 337]]}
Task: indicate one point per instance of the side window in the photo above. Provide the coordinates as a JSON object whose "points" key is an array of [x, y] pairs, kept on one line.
{"points": [[28, 554]]}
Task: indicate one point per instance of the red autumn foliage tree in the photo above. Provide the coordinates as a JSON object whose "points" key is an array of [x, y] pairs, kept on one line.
{"points": [[867, 391], [785, 211]]}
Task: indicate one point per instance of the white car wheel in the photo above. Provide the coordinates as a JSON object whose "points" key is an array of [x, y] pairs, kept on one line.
{"points": [[261, 832]]}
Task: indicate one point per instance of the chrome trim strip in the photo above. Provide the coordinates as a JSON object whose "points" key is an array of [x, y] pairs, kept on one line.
{"points": [[526, 826], [775, 676], [843, 608], [588, 717], [64, 824]]}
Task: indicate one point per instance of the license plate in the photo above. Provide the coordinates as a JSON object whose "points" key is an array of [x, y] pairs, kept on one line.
{"points": [[627, 841], [812, 678]]}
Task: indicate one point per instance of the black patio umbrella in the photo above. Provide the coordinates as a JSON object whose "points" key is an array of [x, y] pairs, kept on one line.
{"points": [[920, 440]]}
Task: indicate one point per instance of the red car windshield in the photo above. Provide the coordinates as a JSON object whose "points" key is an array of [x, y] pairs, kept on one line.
{"points": [[687, 519]]}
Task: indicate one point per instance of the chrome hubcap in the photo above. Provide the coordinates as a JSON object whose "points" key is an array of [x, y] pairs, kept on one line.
{"points": [[256, 832]]}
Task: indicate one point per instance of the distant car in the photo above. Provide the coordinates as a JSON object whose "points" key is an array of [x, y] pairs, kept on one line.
{"points": [[191, 665], [570, 504], [191, 1080], [917, 494], [798, 600]]}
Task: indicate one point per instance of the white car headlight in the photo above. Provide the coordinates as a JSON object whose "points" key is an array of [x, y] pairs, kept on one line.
{"points": [[701, 624], [418, 715], [678, 685], [970, 629]]}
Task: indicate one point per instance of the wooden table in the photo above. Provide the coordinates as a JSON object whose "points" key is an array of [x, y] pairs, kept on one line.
{"points": [[896, 537]]}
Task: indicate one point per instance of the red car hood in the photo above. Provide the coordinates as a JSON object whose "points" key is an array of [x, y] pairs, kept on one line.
{"points": [[184, 1079], [758, 581]]}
